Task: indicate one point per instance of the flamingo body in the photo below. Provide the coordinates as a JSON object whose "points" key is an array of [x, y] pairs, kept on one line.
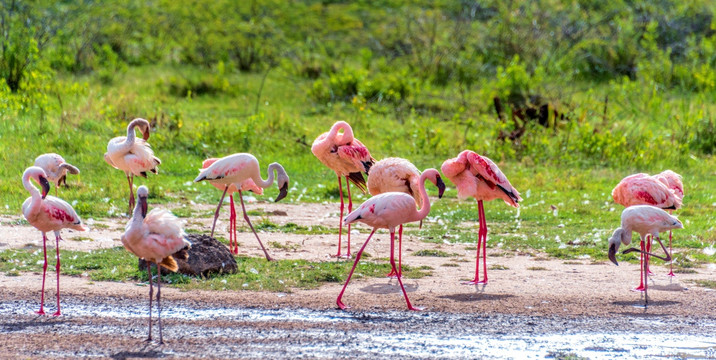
{"points": [[55, 167], [642, 189]]}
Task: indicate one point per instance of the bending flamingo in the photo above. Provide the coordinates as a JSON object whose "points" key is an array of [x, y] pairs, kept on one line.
{"points": [[349, 158], [642, 189], [235, 169], [387, 211], [247, 185], [647, 221], [479, 177], [132, 155], [396, 175], [673, 181], [56, 168], [47, 213], [156, 237]]}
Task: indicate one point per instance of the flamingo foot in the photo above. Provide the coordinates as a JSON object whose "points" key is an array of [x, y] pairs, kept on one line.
{"points": [[414, 308], [235, 251], [148, 339], [40, 312], [475, 282], [648, 272], [57, 313], [341, 305], [671, 273], [639, 288], [346, 256]]}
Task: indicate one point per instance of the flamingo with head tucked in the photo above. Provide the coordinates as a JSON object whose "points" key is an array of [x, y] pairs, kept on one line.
{"points": [[647, 220], [479, 177], [235, 169], [56, 168], [158, 238], [246, 185], [349, 158], [642, 189], [48, 213], [396, 175], [132, 155], [387, 211], [673, 181]]}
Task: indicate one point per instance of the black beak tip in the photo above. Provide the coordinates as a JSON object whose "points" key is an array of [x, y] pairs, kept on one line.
{"points": [[282, 192], [45, 186], [441, 187], [612, 254]]}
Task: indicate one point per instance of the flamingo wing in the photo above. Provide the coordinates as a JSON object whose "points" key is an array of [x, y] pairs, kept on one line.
{"points": [[61, 213], [357, 154], [486, 170]]}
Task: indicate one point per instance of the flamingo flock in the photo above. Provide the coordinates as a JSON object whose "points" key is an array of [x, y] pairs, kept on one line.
{"points": [[398, 197]]}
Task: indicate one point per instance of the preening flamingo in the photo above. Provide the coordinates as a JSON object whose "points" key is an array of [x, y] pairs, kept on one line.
{"points": [[673, 181], [477, 176], [156, 237], [387, 211], [48, 213], [235, 169], [246, 185], [642, 189], [56, 168], [396, 175], [647, 221], [349, 158], [132, 155]]}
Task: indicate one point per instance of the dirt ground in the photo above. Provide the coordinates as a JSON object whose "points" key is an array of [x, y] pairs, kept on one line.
{"points": [[526, 286]]}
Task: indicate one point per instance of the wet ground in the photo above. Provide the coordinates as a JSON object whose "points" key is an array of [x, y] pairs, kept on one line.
{"points": [[116, 328]]}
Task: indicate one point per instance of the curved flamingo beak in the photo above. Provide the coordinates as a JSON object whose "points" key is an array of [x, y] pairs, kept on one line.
{"points": [[283, 191], [612, 254], [145, 134], [441, 186], [45, 186], [143, 204]]}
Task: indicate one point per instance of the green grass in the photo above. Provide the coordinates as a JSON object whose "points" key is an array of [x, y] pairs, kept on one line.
{"points": [[433, 253], [711, 284]]}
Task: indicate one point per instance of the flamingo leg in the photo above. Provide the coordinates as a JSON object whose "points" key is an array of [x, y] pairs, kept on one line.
{"points": [[392, 263], [646, 279], [481, 242], [130, 181], [648, 250], [671, 263], [246, 217], [392, 273], [159, 302], [151, 294], [340, 220], [216, 214], [641, 267], [44, 272], [233, 242], [57, 270], [350, 209], [360, 252]]}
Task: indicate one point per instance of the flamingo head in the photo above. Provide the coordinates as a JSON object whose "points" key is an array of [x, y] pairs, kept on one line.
{"points": [[282, 180], [42, 180], [615, 241], [37, 173], [142, 194], [143, 126], [435, 178]]}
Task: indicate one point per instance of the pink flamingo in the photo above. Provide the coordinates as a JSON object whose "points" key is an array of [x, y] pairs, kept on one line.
{"points": [[235, 169], [48, 213], [348, 157], [396, 175], [247, 185], [155, 237], [673, 181], [132, 155], [479, 177], [386, 211], [647, 220], [642, 189], [56, 168]]}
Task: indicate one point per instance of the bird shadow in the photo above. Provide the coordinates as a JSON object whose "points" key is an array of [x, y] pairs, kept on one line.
{"points": [[146, 353], [389, 288], [39, 321], [470, 297], [640, 303]]}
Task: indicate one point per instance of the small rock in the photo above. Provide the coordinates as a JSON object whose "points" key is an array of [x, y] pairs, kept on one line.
{"points": [[207, 256], [279, 213]]}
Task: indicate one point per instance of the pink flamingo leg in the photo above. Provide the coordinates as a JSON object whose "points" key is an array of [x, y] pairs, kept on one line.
{"points": [[646, 279], [151, 294], [481, 241], [340, 220], [671, 263], [392, 273], [360, 252], [641, 268], [159, 302], [648, 250], [392, 263], [233, 241], [130, 181], [44, 272], [216, 214], [246, 217], [350, 209], [57, 270]]}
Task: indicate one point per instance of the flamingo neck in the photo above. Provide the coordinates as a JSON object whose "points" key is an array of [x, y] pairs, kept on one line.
{"points": [[268, 182], [36, 202], [425, 206], [347, 135], [131, 134], [137, 219]]}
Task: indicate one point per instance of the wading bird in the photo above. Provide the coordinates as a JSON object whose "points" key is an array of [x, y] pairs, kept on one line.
{"points": [[246, 185], [48, 213], [673, 181], [387, 211], [132, 155], [395, 175], [647, 221], [56, 168], [642, 189], [156, 237], [478, 177], [236, 168], [349, 158]]}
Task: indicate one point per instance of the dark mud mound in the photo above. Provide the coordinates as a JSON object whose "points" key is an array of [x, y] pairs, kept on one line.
{"points": [[206, 257]]}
